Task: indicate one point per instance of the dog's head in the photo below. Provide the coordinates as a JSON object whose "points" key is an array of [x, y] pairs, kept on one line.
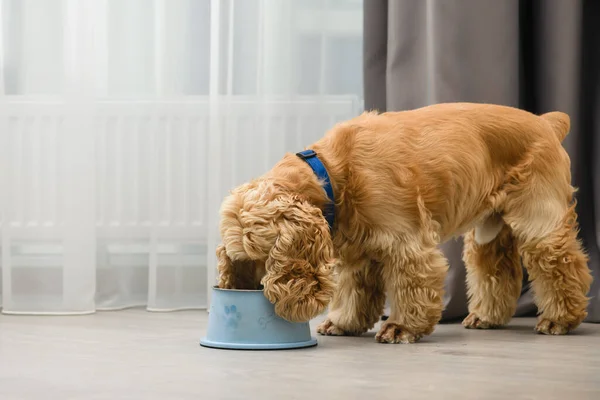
{"points": [[280, 240]]}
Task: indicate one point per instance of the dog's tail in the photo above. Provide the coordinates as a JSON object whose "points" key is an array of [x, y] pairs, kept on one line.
{"points": [[560, 123]]}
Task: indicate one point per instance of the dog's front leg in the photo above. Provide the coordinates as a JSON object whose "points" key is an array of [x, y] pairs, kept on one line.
{"points": [[414, 276], [358, 300]]}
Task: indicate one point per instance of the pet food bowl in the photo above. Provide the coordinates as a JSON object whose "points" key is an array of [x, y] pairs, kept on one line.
{"points": [[246, 320]]}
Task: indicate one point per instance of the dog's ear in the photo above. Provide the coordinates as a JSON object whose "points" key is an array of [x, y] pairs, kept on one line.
{"points": [[225, 268], [238, 274], [235, 265], [299, 267]]}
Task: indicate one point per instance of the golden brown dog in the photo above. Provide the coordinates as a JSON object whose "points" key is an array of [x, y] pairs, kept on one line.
{"points": [[404, 182]]}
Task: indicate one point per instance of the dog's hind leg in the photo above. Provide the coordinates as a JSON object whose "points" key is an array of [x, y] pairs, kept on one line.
{"points": [[540, 210], [557, 266], [494, 274], [357, 302]]}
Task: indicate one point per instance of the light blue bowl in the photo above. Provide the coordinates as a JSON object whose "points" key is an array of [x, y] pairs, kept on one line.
{"points": [[246, 320]]}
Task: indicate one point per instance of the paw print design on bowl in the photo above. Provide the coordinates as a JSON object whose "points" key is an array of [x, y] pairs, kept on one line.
{"points": [[266, 320], [232, 316]]}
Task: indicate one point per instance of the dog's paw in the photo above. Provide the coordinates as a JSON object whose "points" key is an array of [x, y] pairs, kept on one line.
{"points": [[394, 333], [547, 327], [475, 322], [328, 328]]}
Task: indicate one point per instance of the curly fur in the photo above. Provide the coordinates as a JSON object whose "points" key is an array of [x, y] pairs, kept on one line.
{"points": [[405, 182], [286, 238], [494, 279]]}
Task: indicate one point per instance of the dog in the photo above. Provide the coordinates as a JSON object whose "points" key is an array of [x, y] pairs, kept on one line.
{"points": [[401, 183]]}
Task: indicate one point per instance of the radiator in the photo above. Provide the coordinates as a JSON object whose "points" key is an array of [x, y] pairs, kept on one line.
{"points": [[91, 190]]}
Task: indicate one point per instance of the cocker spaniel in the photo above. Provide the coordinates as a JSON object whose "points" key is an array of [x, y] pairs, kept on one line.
{"points": [[394, 186]]}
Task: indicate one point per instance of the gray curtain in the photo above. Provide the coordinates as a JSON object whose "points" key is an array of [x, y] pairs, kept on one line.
{"points": [[537, 55]]}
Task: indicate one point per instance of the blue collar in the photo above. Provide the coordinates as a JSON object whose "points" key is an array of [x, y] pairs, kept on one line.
{"points": [[310, 156]]}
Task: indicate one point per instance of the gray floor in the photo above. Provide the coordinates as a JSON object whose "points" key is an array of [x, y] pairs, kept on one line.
{"points": [[139, 355]]}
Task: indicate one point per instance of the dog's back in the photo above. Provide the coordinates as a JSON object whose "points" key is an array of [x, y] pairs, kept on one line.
{"points": [[458, 157]]}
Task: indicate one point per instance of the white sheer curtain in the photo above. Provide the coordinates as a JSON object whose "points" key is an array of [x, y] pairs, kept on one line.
{"points": [[123, 123]]}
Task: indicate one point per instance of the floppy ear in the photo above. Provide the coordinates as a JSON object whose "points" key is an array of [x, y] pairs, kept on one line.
{"points": [[235, 265], [299, 278], [238, 274]]}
